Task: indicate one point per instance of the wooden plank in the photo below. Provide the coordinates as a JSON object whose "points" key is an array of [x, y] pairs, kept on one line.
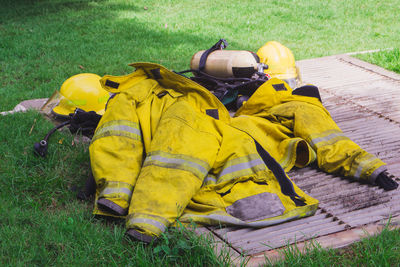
{"points": [[219, 245], [277, 230], [263, 245], [335, 240], [264, 234], [348, 190]]}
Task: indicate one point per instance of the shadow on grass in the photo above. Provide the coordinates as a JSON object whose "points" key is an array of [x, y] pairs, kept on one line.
{"points": [[99, 28], [45, 42]]}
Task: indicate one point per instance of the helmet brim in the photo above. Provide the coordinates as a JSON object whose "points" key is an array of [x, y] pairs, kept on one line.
{"points": [[63, 109]]}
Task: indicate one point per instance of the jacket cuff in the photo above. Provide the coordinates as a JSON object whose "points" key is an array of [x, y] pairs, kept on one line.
{"points": [[376, 173]]}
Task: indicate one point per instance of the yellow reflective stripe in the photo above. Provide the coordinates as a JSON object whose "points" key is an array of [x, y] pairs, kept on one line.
{"points": [[177, 161], [118, 128], [285, 160], [154, 223], [326, 138], [242, 166], [117, 190], [77, 102], [103, 99], [313, 155]]}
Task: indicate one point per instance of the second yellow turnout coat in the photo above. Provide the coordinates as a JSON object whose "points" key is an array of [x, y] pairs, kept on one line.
{"points": [[167, 149]]}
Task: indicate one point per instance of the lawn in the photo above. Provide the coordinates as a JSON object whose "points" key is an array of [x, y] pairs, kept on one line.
{"points": [[44, 42], [388, 59], [379, 250]]}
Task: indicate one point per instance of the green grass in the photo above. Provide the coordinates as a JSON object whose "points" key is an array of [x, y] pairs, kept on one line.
{"points": [[42, 222], [378, 250], [42, 43], [389, 59]]}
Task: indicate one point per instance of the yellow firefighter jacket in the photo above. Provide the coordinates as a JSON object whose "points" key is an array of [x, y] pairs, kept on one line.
{"points": [[167, 149]]}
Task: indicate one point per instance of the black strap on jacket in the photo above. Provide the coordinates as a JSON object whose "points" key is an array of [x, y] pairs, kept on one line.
{"points": [[284, 182]]}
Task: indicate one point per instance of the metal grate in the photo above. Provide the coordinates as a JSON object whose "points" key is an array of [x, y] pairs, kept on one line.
{"points": [[365, 103]]}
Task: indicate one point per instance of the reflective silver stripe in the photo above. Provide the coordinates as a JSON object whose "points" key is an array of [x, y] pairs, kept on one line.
{"points": [[179, 161], [230, 220], [110, 190], [241, 166], [241, 169], [152, 222], [118, 128], [375, 174], [365, 163], [187, 158], [210, 179], [333, 137], [174, 161], [119, 122]]}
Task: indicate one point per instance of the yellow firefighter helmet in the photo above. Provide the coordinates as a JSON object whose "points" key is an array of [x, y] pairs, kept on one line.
{"points": [[281, 63], [82, 91]]}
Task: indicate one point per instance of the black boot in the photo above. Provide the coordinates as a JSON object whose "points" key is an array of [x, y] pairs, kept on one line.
{"points": [[136, 235], [110, 207]]}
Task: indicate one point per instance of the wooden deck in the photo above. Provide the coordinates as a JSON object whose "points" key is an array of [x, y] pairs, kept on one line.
{"points": [[364, 100]]}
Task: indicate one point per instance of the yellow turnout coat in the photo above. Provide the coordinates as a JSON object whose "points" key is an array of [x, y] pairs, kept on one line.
{"points": [[166, 149]]}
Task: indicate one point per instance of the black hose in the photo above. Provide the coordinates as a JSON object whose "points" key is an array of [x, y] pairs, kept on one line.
{"points": [[55, 129], [40, 148]]}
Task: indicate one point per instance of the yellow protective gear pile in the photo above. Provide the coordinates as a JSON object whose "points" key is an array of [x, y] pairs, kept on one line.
{"points": [[167, 149]]}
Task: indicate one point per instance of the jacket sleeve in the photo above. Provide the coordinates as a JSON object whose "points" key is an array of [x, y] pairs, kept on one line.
{"points": [[116, 153], [181, 154], [336, 153]]}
